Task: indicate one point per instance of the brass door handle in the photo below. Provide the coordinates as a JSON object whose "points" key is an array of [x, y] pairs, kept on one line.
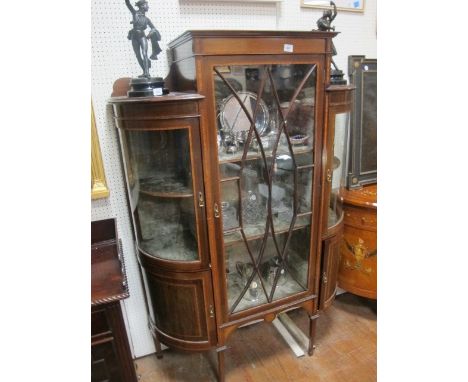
{"points": [[216, 210], [329, 175], [211, 311]]}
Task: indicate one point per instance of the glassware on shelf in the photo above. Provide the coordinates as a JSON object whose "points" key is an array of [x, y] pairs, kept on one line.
{"points": [[229, 216], [299, 139], [252, 209], [245, 270], [231, 143], [271, 268]]}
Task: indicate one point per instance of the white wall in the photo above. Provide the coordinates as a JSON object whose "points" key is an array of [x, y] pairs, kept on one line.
{"points": [[112, 58]]}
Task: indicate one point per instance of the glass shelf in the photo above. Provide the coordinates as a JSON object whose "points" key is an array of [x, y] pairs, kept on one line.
{"points": [[179, 250]]}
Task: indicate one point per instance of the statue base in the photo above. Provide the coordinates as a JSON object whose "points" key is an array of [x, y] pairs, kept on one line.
{"points": [[147, 87], [336, 77]]}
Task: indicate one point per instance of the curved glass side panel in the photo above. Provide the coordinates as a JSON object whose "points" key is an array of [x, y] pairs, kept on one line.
{"points": [[161, 189], [338, 167], [265, 116]]}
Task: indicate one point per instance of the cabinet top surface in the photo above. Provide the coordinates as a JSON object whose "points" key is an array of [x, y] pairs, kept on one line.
{"points": [[106, 276], [108, 282], [190, 34], [362, 197], [171, 97]]}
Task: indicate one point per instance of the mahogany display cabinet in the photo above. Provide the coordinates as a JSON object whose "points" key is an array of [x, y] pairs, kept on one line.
{"points": [[230, 180]]}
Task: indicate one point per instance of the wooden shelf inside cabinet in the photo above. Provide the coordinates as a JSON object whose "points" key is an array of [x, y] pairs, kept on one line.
{"points": [[234, 236], [176, 252], [167, 194], [237, 157], [165, 188]]}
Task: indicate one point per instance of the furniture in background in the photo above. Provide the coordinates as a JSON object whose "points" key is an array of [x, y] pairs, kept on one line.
{"points": [[363, 138], [111, 359], [358, 264], [234, 181]]}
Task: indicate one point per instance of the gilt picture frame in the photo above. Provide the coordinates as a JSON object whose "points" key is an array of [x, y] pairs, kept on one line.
{"points": [[99, 187]]}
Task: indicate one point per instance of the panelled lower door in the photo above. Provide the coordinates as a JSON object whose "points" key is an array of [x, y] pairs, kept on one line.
{"points": [[266, 136]]}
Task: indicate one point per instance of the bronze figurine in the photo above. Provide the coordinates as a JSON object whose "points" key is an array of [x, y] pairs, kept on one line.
{"points": [[324, 24], [139, 39]]}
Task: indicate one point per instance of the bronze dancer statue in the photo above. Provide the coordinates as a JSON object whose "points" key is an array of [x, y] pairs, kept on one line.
{"points": [[324, 24], [139, 39]]}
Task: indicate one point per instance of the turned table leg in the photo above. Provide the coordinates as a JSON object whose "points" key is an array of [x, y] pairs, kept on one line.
{"points": [[221, 373], [312, 330]]}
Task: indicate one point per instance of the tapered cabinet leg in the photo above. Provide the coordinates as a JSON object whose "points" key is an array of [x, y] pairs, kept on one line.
{"points": [[221, 370], [157, 344], [312, 330]]}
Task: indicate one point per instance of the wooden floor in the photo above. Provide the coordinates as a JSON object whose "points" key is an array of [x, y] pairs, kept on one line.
{"points": [[346, 351]]}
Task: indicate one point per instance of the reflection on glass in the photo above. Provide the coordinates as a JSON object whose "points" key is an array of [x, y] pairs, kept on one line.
{"points": [[266, 130], [236, 112], [338, 167], [162, 196], [290, 276], [230, 204]]}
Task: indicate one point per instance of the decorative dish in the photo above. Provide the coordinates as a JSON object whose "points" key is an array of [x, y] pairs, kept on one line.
{"points": [[234, 119], [299, 139]]}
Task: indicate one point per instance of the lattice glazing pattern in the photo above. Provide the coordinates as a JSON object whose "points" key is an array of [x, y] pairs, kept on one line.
{"points": [[265, 151]]}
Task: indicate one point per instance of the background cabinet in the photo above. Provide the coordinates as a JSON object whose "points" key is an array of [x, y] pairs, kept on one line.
{"points": [[363, 138], [358, 265], [226, 183], [111, 360]]}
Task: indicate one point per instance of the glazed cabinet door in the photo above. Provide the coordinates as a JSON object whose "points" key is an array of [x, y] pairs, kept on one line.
{"points": [[266, 140], [336, 151], [165, 181]]}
